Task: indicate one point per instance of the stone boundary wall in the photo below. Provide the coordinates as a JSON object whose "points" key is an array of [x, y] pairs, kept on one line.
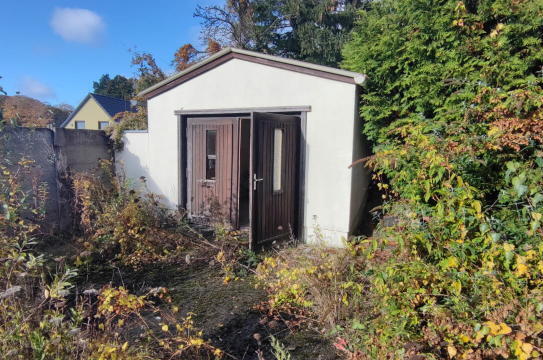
{"points": [[55, 154]]}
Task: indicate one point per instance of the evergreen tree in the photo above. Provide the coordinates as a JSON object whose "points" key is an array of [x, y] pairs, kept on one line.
{"points": [[309, 30], [454, 106], [118, 87]]}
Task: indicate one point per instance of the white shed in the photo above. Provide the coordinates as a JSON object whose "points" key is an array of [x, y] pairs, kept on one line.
{"points": [[261, 141]]}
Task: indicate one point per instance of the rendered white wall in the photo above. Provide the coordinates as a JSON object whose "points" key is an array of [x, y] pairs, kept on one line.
{"points": [[133, 160], [242, 84]]}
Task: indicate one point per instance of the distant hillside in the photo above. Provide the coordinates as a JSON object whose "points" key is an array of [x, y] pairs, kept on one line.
{"points": [[31, 112]]}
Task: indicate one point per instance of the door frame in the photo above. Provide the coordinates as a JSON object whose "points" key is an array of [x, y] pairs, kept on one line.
{"points": [[183, 171]]}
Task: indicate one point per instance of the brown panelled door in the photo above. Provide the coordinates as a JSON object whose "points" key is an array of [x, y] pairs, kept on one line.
{"points": [[212, 168], [275, 177]]}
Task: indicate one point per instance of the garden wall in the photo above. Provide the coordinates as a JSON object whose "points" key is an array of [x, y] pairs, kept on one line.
{"points": [[54, 155], [133, 160]]}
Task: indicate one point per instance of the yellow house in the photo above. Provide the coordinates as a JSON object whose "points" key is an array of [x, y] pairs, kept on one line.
{"points": [[96, 112]]}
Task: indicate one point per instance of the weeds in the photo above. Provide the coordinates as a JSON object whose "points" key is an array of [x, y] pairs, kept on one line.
{"points": [[122, 225], [42, 318], [279, 350]]}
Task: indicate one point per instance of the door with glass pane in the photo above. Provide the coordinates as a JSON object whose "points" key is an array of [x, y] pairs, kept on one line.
{"points": [[275, 177], [212, 161]]}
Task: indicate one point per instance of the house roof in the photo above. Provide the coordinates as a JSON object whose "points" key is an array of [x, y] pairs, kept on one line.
{"points": [[269, 60], [109, 104]]}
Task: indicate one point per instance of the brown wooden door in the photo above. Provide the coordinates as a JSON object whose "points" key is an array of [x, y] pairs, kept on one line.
{"points": [[212, 169], [275, 177]]}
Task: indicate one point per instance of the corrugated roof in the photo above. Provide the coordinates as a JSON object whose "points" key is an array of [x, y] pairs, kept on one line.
{"points": [[357, 78]]}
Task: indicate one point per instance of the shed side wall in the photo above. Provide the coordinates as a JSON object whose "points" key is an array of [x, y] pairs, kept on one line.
{"points": [[133, 160]]}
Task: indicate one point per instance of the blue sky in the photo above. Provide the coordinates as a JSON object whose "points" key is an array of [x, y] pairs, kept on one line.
{"points": [[54, 49]]}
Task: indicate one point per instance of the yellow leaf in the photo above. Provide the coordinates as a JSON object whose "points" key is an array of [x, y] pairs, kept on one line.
{"points": [[477, 206], [125, 346], [527, 348], [494, 328], [522, 350], [450, 262], [451, 350], [521, 269], [165, 328], [504, 329], [196, 341], [457, 287], [508, 247], [498, 329], [217, 352]]}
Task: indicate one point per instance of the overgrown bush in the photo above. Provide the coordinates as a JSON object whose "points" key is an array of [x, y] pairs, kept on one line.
{"points": [[314, 280], [42, 318], [132, 228], [122, 224], [127, 120], [453, 107]]}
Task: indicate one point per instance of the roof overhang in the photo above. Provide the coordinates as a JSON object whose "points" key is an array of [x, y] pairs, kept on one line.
{"points": [[259, 58]]}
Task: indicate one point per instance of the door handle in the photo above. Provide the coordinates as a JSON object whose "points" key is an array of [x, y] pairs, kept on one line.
{"points": [[255, 180]]}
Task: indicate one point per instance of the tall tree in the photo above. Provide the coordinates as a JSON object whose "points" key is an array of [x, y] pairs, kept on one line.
{"points": [[230, 24], [188, 55], [2, 89], [148, 72], [317, 30], [310, 30], [118, 87]]}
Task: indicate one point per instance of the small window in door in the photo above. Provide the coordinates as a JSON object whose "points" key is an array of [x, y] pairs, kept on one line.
{"points": [[211, 154], [102, 125], [79, 124], [277, 158]]}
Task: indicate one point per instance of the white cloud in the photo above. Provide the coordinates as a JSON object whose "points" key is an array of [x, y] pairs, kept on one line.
{"points": [[78, 25], [36, 89]]}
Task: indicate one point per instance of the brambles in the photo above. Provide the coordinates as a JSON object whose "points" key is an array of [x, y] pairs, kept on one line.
{"points": [[453, 105], [42, 316], [126, 120], [123, 225], [314, 282]]}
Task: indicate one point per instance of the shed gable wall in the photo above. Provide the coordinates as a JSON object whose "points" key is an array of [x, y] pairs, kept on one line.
{"points": [[241, 84]]}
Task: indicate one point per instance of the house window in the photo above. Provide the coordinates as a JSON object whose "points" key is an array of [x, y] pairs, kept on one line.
{"points": [[277, 158], [102, 125], [211, 154], [79, 124]]}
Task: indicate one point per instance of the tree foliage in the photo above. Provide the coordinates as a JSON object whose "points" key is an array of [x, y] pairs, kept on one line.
{"points": [[25, 111], [231, 23], [118, 87], [126, 120], [453, 105], [2, 91], [148, 72], [188, 55], [310, 30]]}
